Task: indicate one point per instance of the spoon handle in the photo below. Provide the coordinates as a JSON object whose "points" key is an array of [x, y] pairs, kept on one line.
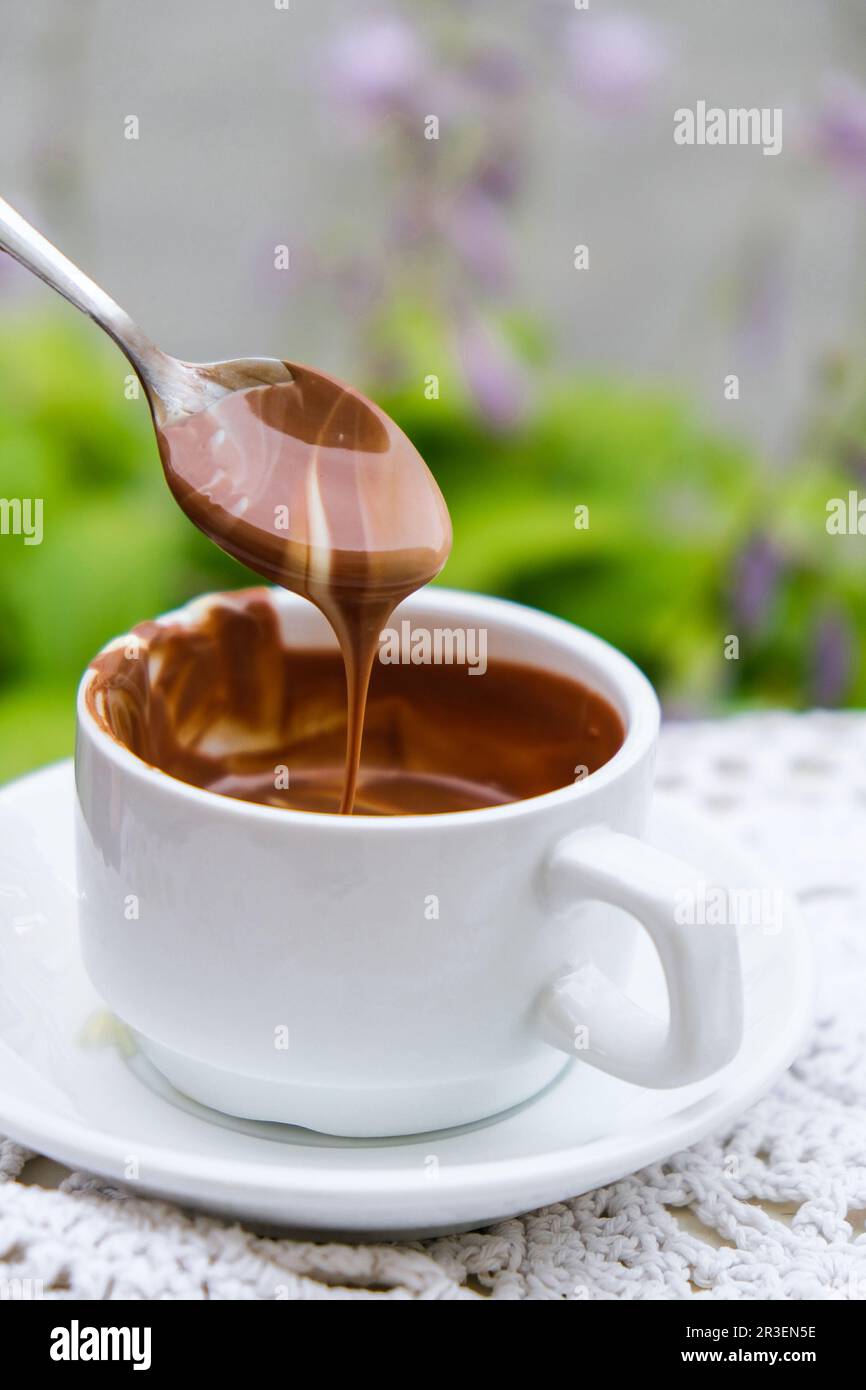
{"points": [[37, 253]]}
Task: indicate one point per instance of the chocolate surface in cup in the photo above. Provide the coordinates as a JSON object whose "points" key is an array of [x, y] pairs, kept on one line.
{"points": [[314, 487], [224, 704]]}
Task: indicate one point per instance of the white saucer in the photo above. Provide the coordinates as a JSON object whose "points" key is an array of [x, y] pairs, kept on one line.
{"points": [[72, 1086]]}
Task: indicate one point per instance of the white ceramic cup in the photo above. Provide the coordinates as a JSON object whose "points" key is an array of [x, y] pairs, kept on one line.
{"points": [[290, 966]]}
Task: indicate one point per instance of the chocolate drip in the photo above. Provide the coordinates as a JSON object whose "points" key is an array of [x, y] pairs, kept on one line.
{"points": [[316, 489]]}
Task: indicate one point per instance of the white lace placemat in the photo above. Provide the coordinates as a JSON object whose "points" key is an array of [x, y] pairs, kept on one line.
{"points": [[770, 1207]]}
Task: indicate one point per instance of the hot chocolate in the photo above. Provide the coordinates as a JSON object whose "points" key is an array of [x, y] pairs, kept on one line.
{"points": [[225, 705]]}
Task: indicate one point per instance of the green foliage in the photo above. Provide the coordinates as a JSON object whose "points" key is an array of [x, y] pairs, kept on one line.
{"points": [[115, 549], [671, 507]]}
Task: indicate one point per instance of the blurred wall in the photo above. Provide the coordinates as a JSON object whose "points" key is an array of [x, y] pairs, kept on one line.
{"points": [[703, 262]]}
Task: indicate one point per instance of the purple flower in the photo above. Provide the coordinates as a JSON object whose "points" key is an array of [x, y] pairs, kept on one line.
{"points": [[376, 66], [478, 233], [756, 575], [495, 379], [832, 659], [496, 70], [840, 130], [615, 59], [499, 176]]}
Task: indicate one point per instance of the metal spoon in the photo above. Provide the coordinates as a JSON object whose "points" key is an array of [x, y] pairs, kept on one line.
{"points": [[174, 389]]}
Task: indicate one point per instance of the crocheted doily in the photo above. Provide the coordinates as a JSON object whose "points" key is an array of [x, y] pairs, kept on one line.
{"points": [[770, 1207]]}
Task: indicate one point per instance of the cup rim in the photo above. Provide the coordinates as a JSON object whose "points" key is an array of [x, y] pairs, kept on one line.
{"points": [[634, 697]]}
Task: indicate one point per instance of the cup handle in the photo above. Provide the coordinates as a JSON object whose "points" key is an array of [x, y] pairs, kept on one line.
{"points": [[701, 966]]}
